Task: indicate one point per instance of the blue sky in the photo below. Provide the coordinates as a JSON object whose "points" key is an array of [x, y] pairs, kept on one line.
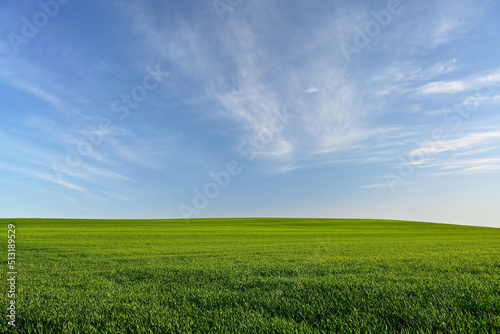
{"points": [[142, 109]]}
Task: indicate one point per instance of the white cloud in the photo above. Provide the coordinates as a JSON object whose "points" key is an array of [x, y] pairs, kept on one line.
{"points": [[279, 148], [331, 108], [469, 154], [456, 86], [445, 87], [456, 145], [38, 83], [482, 100], [328, 114], [388, 186], [400, 77], [39, 92], [27, 172], [407, 71], [471, 166], [437, 112], [436, 23], [311, 90]]}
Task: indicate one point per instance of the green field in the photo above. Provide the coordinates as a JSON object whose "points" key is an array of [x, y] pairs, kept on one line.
{"points": [[253, 276]]}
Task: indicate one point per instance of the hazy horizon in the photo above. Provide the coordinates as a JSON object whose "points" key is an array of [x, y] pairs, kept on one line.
{"points": [[374, 109]]}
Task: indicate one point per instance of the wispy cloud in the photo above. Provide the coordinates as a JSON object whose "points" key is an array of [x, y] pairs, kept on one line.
{"points": [[39, 83], [388, 186], [327, 112], [471, 166], [32, 159], [458, 144], [457, 86], [482, 100], [401, 78], [440, 25], [445, 87], [31, 173], [472, 153], [406, 71]]}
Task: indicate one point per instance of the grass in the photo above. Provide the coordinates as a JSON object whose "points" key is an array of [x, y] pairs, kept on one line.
{"points": [[253, 276]]}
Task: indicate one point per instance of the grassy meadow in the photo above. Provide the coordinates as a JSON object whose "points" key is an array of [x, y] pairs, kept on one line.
{"points": [[253, 275]]}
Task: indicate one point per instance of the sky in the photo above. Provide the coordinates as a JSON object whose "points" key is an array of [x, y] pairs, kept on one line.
{"points": [[242, 108]]}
